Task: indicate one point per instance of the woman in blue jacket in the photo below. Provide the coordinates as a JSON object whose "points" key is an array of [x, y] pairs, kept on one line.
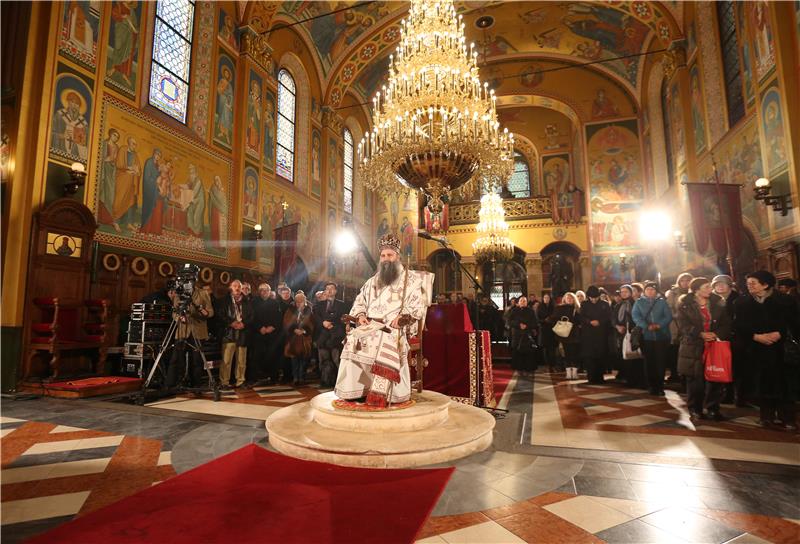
{"points": [[652, 314]]}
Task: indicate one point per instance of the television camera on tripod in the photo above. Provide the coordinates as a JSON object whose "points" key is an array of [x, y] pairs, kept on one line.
{"points": [[191, 308]]}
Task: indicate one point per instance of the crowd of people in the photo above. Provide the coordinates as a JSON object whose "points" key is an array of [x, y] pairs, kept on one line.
{"points": [[584, 333], [265, 337], [282, 337]]}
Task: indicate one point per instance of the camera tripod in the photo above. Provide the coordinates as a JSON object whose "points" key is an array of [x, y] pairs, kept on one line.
{"points": [[194, 344]]}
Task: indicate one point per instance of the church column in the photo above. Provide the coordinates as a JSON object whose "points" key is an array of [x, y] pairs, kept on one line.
{"points": [[533, 268], [788, 58], [22, 189], [583, 276], [676, 71], [332, 126]]}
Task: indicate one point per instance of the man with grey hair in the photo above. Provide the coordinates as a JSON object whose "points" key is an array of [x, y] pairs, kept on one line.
{"points": [[267, 323], [374, 362], [236, 315]]}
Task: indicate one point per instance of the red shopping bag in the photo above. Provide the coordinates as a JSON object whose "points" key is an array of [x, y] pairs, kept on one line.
{"points": [[717, 361]]}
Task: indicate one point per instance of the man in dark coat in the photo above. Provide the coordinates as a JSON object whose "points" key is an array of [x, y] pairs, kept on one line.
{"points": [[522, 323], [328, 314], [266, 327], [701, 318], [595, 319], [763, 321]]}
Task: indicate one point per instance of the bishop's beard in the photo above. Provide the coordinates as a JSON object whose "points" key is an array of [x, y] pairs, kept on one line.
{"points": [[388, 272]]}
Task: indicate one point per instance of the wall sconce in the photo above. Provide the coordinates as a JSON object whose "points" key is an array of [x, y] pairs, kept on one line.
{"points": [[623, 262], [680, 241], [779, 203], [77, 179], [257, 234]]}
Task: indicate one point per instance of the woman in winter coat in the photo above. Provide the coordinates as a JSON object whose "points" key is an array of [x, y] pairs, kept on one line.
{"points": [[700, 319], [630, 370], [547, 337], [652, 314], [765, 321], [569, 309], [595, 320], [298, 324], [523, 324]]}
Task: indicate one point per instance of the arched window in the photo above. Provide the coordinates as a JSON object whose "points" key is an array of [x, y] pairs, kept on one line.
{"points": [[172, 57], [519, 184], [286, 125], [729, 45], [666, 114], [348, 171]]}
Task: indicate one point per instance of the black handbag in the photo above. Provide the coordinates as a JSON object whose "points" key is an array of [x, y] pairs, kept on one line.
{"points": [[637, 333]]}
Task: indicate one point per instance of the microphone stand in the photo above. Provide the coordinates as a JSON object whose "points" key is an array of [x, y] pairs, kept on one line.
{"points": [[479, 289]]}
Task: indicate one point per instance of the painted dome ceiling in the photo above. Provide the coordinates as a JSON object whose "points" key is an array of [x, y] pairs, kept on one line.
{"points": [[353, 44]]}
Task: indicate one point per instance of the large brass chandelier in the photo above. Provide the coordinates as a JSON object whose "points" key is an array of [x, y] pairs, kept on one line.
{"points": [[435, 126], [493, 243]]}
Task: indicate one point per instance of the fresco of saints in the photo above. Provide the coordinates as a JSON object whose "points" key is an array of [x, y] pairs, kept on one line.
{"points": [[407, 238], [108, 178], [254, 118], [124, 44], [196, 210], [603, 107], [70, 128], [224, 112], [269, 133], [80, 33], [126, 191], [217, 211], [151, 201]]}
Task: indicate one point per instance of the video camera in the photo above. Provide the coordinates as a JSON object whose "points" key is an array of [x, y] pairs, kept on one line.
{"points": [[184, 285]]}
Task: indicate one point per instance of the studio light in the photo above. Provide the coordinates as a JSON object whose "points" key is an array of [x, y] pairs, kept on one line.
{"points": [[655, 226], [345, 242]]}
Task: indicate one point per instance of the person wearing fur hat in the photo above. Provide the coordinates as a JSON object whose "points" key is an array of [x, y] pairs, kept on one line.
{"points": [[595, 320], [701, 318], [652, 314], [765, 320]]}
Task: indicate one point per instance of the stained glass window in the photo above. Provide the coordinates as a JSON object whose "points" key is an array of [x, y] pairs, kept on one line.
{"points": [[286, 111], [348, 172], [519, 184], [172, 57], [730, 61]]}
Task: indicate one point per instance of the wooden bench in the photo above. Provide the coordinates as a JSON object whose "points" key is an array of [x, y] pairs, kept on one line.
{"points": [[67, 327]]}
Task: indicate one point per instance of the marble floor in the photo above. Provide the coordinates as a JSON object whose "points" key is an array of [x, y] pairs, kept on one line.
{"points": [[569, 463]]}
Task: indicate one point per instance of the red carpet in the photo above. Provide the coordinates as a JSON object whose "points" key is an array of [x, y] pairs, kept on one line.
{"points": [[253, 495], [502, 376]]}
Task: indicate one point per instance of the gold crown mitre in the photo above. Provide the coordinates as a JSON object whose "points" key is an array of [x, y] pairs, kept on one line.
{"points": [[389, 240]]}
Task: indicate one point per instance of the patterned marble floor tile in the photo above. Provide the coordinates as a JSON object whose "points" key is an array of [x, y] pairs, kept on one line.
{"points": [[481, 533], [590, 515], [42, 507]]}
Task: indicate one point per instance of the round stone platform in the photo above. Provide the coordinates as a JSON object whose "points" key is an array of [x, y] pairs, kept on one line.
{"points": [[433, 430]]}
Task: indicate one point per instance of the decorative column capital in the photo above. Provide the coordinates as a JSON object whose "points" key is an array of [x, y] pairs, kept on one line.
{"points": [[255, 46]]}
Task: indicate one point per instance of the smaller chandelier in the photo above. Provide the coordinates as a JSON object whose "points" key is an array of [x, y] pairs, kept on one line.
{"points": [[493, 243]]}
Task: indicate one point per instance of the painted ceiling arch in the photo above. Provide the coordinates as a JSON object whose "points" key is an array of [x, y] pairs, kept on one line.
{"points": [[348, 41]]}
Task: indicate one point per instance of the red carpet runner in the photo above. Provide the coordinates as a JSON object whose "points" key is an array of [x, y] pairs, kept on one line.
{"points": [[253, 495]]}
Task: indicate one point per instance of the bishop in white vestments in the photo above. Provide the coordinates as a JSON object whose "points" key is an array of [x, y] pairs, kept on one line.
{"points": [[374, 361]]}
